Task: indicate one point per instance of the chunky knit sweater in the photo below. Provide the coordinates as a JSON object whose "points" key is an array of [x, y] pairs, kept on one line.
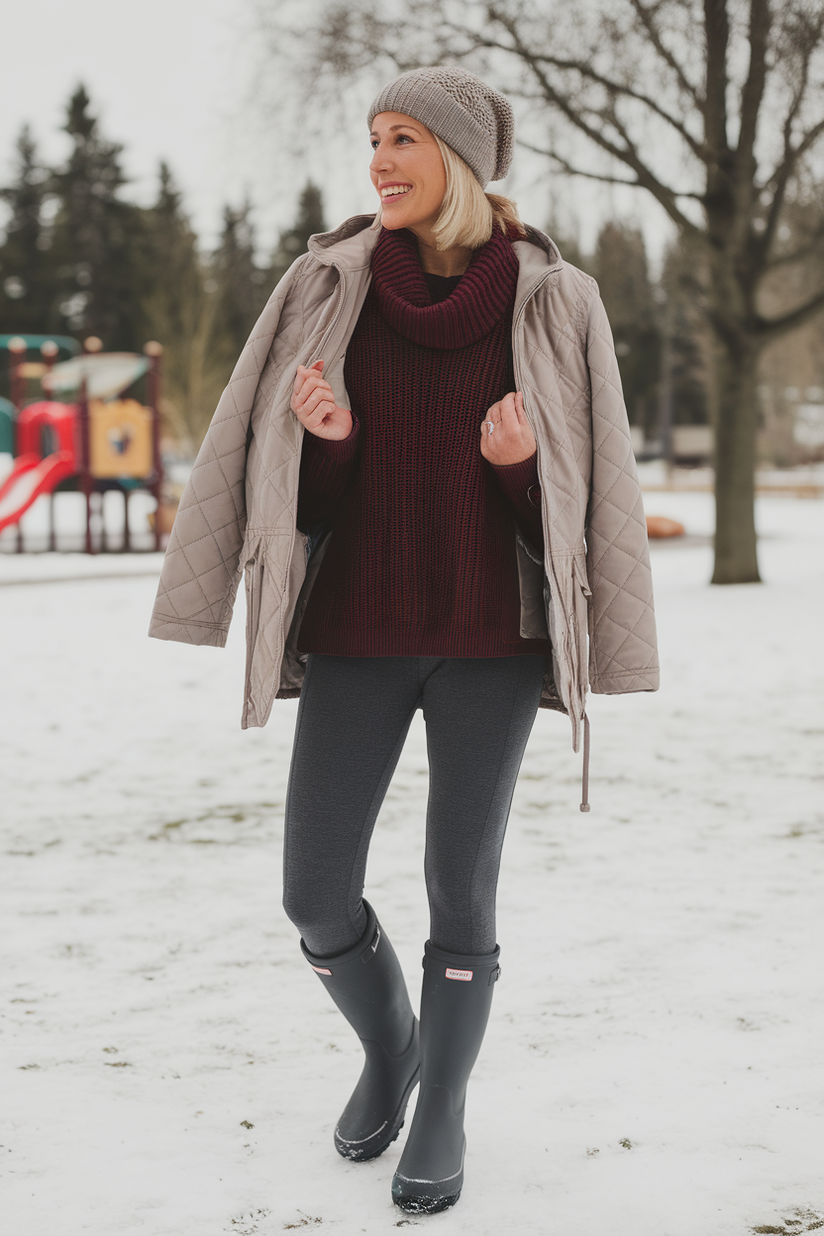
{"points": [[421, 560]]}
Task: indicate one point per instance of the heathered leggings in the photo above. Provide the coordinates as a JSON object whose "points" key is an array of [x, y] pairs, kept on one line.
{"points": [[353, 718]]}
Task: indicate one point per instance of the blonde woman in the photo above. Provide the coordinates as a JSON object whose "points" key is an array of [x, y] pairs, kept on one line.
{"points": [[423, 462]]}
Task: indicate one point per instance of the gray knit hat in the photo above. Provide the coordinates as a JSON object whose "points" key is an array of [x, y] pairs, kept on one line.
{"points": [[463, 111]]}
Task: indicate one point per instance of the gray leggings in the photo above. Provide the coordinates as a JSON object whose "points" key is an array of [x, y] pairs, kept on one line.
{"points": [[353, 718]]}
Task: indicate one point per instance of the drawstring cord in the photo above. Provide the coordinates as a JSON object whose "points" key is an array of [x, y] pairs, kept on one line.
{"points": [[585, 772]]}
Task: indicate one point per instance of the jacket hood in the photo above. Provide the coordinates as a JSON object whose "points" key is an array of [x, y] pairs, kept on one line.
{"points": [[349, 245]]}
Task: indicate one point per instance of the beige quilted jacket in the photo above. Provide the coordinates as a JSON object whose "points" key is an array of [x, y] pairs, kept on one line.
{"points": [[238, 509]]}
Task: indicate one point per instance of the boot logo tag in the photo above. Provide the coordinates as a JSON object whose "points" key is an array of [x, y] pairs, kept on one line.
{"points": [[321, 970], [465, 976]]}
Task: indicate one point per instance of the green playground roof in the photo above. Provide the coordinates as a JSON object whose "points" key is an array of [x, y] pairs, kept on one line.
{"points": [[33, 342]]}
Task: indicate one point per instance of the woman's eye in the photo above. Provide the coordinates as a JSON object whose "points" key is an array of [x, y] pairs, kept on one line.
{"points": [[374, 142]]}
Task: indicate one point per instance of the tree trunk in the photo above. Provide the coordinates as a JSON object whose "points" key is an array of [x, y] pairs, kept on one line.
{"points": [[735, 364]]}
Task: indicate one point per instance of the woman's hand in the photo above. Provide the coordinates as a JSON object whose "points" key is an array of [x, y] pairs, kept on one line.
{"points": [[510, 439], [313, 403]]}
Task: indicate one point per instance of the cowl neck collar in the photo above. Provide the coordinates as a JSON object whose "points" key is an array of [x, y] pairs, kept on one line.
{"points": [[485, 291]]}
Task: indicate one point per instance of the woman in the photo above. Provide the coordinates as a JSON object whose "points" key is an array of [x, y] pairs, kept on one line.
{"points": [[423, 461]]}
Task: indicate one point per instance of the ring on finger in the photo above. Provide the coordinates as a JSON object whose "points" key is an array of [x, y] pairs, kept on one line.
{"points": [[491, 425]]}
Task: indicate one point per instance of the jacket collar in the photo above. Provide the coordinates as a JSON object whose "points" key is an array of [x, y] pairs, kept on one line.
{"points": [[350, 246], [538, 257]]}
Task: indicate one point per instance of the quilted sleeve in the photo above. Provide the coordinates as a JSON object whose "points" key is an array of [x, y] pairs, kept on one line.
{"points": [[623, 653], [202, 568]]}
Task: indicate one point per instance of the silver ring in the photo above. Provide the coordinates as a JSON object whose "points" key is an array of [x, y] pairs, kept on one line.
{"points": [[491, 425]]}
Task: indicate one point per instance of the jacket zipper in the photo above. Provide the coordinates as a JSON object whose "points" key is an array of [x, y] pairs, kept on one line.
{"points": [[285, 585], [341, 298], [516, 326], [553, 583], [254, 568]]}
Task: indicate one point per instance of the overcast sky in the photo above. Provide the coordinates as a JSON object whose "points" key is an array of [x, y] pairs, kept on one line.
{"points": [[185, 80]]}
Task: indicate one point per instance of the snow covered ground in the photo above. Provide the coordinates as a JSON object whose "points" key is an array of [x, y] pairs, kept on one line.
{"points": [[654, 1064]]}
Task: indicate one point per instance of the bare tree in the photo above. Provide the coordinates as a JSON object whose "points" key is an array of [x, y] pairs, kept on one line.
{"points": [[712, 107]]}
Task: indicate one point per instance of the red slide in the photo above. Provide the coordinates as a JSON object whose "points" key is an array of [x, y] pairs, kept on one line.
{"points": [[30, 477]]}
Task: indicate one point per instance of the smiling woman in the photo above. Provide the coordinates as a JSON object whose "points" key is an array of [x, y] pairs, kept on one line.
{"points": [[411, 426], [408, 171], [464, 215]]}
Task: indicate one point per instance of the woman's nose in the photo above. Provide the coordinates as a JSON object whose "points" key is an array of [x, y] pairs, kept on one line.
{"points": [[380, 159]]}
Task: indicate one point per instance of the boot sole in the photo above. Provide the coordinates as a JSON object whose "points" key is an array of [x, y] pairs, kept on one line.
{"points": [[372, 1147], [426, 1205]]}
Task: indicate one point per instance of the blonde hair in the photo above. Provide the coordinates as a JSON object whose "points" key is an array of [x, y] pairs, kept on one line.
{"points": [[468, 215]]}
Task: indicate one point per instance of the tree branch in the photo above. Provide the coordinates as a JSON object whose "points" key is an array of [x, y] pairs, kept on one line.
{"points": [[792, 154], [771, 328], [646, 17], [753, 91], [698, 148], [629, 156], [811, 246], [604, 177], [717, 32]]}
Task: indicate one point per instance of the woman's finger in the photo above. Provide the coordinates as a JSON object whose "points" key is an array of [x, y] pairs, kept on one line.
{"points": [[519, 407], [311, 379], [317, 418], [320, 390], [312, 390], [509, 417], [492, 418], [303, 372]]}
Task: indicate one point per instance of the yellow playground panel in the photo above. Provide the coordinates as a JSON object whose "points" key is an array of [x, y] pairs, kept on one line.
{"points": [[120, 438]]}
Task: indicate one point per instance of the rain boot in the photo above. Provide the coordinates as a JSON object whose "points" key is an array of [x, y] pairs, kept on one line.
{"points": [[368, 987], [455, 1004]]}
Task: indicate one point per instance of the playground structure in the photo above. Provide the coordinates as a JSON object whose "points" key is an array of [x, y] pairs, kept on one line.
{"points": [[98, 442]]}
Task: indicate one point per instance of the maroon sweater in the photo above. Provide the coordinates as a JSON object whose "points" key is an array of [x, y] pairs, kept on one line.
{"points": [[421, 561]]}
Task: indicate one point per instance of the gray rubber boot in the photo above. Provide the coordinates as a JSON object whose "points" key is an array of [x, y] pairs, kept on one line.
{"points": [[455, 1004], [368, 987]]}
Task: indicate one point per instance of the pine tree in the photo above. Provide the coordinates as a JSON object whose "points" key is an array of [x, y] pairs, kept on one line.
{"points": [[173, 268], [181, 312], [27, 300], [689, 341], [620, 266], [241, 284], [99, 239], [295, 240]]}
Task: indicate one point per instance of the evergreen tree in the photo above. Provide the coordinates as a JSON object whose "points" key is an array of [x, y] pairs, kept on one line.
{"points": [[620, 266], [181, 312], [241, 284], [570, 248], [173, 268], [295, 240], [27, 297], [99, 239], [684, 318]]}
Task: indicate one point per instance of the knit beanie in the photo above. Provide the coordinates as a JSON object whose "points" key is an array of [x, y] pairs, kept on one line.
{"points": [[463, 111]]}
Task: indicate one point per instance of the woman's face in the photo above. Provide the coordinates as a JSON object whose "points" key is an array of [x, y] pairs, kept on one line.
{"points": [[408, 173]]}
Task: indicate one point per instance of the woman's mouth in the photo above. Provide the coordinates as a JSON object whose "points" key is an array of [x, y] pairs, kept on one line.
{"points": [[390, 192]]}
